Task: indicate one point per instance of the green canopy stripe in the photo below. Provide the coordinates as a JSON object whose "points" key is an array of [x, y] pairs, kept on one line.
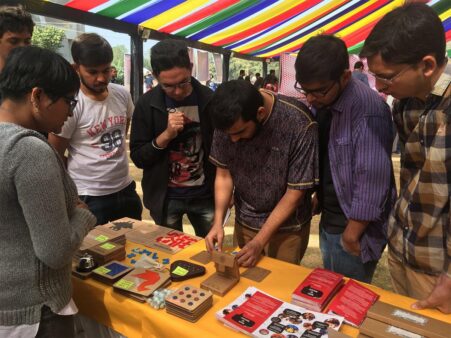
{"points": [[217, 17], [122, 7]]}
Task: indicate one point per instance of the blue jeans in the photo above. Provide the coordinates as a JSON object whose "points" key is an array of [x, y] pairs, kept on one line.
{"points": [[200, 212], [336, 259], [124, 203]]}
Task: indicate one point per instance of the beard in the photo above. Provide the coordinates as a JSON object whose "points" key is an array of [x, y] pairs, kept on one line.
{"points": [[98, 89]]}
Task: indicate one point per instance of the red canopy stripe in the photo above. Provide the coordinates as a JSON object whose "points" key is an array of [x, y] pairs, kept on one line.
{"points": [[199, 15], [357, 16], [291, 31], [85, 5], [264, 25]]}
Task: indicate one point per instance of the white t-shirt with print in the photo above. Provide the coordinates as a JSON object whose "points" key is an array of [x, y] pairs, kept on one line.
{"points": [[97, 160]]}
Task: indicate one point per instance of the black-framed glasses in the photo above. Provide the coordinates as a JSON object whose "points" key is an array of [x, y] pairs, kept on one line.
{"points": [[388, 81], [181, 85], [71, 101], [318, 93]]}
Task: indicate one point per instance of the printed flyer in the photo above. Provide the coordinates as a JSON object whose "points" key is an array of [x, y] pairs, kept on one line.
{"points": [[258, 314]]}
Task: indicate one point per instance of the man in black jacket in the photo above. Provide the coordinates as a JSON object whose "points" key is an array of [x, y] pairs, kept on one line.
{"points": [[170, 140]]}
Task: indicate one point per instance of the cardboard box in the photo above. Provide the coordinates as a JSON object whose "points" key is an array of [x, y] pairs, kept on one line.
{"points": [[376, 329], [410, 321]]}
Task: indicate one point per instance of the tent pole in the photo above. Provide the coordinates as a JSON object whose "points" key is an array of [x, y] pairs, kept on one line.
{"points": [[225, 66], [265, 68], [136, 81]]}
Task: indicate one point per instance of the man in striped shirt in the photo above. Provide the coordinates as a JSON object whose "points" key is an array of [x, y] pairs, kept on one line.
{"points": [[356, 190], [406, 52]]}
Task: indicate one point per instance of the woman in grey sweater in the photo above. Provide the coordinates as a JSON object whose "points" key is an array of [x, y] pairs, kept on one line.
{"points": [[42, 223]]}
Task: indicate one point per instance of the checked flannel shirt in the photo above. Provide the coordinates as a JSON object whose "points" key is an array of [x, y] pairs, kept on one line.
{"points": [[419, 230]]}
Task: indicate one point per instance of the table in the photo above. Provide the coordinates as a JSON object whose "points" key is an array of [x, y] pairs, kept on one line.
{"points": [[133, 319]]}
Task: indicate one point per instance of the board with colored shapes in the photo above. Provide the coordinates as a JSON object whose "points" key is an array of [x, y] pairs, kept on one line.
{"points": [[141, 283]]}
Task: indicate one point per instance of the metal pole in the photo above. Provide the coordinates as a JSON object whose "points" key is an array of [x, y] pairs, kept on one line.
{"points": [[225, 66], [136, 81], [265, 68]]}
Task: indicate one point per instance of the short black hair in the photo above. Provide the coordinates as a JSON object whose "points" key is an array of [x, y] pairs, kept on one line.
{"points": [[91, 50], [234, 100], [406, 35], [358, 65], [15, 19], [321, 58], [32, 66], [168, 54]]}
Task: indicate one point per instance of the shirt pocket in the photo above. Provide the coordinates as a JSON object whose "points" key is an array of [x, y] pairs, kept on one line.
{"points": [[343, 150]]}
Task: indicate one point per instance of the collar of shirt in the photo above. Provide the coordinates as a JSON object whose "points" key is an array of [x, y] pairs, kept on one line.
{"points": [[443, 82], [345, 98]]}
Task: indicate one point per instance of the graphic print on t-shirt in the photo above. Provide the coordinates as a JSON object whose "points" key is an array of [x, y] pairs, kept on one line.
{"points": [[111, 138], [186, 153]]}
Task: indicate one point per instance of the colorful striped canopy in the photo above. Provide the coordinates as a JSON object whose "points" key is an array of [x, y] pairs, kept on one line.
{"points": [[262, 28]]}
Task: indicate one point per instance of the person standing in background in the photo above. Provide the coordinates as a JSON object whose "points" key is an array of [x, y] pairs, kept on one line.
{"points": [[170, 140], [357, 189], [95, 136], [406, 52], [358, 74]]}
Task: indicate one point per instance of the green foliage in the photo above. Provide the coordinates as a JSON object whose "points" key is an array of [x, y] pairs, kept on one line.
{"points": [[118, 61], [48, 37], [250, 67]]}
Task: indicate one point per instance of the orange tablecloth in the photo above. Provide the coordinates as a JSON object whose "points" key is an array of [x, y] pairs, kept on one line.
{"points": [[134, 319]]}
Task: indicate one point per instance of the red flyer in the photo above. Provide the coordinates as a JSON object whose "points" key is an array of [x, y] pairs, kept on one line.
{"points": [[252, 313], [260, 315], [318, 288], [353, 302]]}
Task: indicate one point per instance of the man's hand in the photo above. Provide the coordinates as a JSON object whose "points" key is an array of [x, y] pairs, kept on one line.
{"points": [[81, 204], [350, 245], [176, 122], [250, 253], [350, 239], [215, 236], [315, 204], [439, 298]]}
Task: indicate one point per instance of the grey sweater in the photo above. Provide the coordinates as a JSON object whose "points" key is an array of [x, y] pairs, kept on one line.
{"points": [[40, 227]]}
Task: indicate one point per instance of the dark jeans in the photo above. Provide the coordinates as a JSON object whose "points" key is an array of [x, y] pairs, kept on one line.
{"points": [[200, 212], [53, 325], [337, 260], [124, 203]]}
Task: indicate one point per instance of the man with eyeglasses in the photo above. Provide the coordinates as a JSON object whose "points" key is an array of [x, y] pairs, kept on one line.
{"points": [[95, 136], [356, 188], [406, 51], [170, 140]]}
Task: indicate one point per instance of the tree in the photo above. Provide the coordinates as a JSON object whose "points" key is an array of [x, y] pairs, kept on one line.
{"points": [[48, 37], [118, 60]]}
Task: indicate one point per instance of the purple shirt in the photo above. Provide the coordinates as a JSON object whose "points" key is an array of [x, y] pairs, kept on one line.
{"points": [[360, 142]]}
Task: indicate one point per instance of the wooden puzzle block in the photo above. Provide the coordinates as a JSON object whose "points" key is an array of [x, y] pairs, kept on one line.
{"points": [[227, 274], [189, 302]]}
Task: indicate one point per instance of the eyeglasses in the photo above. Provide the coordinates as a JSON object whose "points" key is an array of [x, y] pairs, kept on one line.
{"points": [[181, 85], [389, 80], [318, 93], [71, 102]]}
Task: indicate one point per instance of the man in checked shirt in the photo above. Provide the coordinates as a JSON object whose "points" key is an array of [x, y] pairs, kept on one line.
{"points": [[406, 53]]}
